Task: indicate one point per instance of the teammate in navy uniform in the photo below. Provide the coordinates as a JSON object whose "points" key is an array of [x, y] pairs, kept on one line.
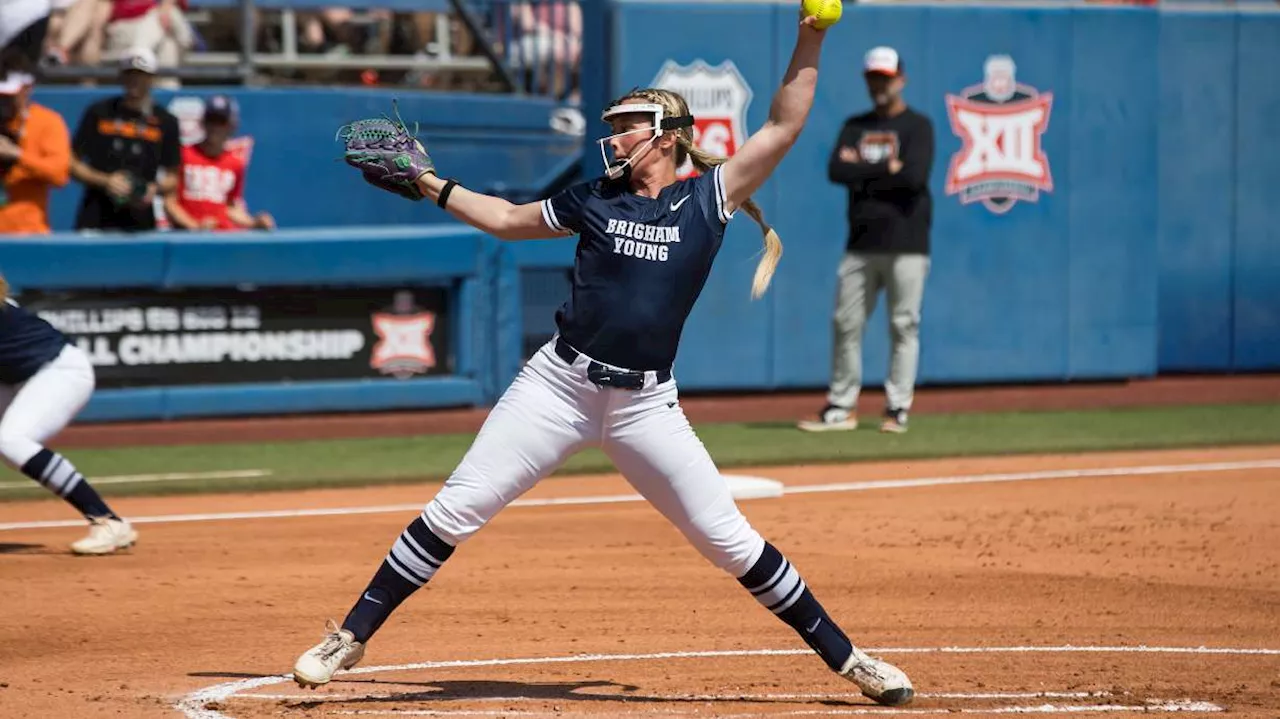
{"points": [[646, 246], [44, 381]]}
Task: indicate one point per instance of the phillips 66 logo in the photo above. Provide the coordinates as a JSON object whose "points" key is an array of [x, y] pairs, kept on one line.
{"points": [[1001, 123], [718, 98]]}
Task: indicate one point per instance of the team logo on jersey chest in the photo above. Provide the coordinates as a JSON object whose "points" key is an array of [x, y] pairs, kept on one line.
{"points": [[644, 242], [1001, 124], [718, 98]]}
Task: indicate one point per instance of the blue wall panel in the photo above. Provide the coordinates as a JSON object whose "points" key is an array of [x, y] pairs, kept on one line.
{"points": [[997, 303], [1000, 300], [70, 262], [1257, 262], [810, 215], [1113, 120], [1196, 180], [334, 257]]}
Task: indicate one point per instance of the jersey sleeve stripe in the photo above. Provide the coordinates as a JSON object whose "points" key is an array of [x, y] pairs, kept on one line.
{"points": [[549, 216], [718, 178]]}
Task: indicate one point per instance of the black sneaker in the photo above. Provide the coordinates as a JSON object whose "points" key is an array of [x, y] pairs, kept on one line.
{"points": [[895, 421], [831, 419]]}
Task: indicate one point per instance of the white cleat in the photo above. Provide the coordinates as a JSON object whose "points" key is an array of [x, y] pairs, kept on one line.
{"points": [[879, 681], [106, 536], [317, 665]]}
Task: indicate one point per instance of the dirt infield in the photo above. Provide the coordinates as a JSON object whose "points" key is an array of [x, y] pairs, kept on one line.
{"points": [[736, 408], [1044, 587]]}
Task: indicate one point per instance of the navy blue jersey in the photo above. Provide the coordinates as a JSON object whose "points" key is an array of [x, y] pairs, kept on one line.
{"points": [[641, 264], [27, 343]]}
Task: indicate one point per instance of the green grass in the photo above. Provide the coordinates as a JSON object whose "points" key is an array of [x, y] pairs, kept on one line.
{"points": [[348, 462]]}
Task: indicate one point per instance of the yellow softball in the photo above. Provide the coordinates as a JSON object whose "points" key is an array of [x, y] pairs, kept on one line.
{"points": [[827, 12]]}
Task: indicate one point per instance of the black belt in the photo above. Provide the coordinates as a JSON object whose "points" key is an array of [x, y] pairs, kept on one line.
{"points": [[607, 376]]}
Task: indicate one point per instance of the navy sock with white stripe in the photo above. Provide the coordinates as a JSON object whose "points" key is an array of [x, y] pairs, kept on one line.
{"points": [[778, 586], [415, 557], [59, 476]]}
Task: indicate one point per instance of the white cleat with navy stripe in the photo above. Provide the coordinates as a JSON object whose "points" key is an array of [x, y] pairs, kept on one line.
{"points": [[317, 665], [106, 536], [878, 680]]}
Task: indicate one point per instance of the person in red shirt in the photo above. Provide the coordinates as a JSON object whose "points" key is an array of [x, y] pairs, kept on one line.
{"points": [[210, 194]]}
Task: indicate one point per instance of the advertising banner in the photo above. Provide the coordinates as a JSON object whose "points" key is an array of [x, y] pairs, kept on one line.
{"points": [[148, 337]]}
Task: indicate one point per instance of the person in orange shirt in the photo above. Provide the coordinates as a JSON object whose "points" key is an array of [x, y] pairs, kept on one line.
{"points": [[35, 151]]}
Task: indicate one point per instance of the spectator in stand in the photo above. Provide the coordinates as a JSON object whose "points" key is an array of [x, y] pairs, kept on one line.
{"points": [[35, 150], [23, 26], [210, 193], [157, 25], [548, 36], [76, 31], [120, 146]]}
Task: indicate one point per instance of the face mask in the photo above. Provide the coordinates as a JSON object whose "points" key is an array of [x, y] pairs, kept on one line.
{"points": [[618, 169]]}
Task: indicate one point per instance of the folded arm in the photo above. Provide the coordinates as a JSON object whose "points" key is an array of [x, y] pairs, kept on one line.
{"points": [[917, 159], [847, 168]]}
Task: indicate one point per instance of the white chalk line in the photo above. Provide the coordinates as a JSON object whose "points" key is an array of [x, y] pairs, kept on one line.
{"points": [[621, 498], [195, 705], [152, 478], [961, 696], [1170, 707], [1042, 475]]}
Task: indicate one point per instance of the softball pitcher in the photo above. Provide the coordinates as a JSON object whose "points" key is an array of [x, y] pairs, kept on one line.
{"points": [[44, 382], [647, 241]]}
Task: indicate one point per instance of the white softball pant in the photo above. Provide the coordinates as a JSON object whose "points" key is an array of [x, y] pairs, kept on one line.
{"points": [[39, 408], [552, 411]]}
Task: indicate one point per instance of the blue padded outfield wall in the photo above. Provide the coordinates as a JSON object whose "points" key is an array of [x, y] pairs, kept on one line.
{"points": [[1150, 242], [335, 265], [296, 172], [1217, 170], [1156, 247]]}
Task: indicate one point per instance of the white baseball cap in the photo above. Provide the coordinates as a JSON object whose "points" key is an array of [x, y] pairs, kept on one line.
{"points": [[15, 82], [882, 61], [141, 59]]}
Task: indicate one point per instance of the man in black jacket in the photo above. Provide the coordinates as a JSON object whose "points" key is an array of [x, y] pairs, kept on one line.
{"points": [[884, 158], [126, 151]]}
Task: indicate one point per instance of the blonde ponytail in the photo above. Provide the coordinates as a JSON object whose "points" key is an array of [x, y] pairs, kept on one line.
{"points": [[4, 289], [768, 264]]}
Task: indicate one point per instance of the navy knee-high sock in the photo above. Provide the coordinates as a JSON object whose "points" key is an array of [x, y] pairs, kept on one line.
{"points": [[60, 477], [415, 557], [778, 586]]}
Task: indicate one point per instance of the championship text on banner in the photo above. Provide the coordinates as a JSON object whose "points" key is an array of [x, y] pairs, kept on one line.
{"points": [[213, 336]]}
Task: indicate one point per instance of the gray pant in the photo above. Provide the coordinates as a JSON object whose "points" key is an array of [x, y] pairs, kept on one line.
{"points": [[862, 276]]}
